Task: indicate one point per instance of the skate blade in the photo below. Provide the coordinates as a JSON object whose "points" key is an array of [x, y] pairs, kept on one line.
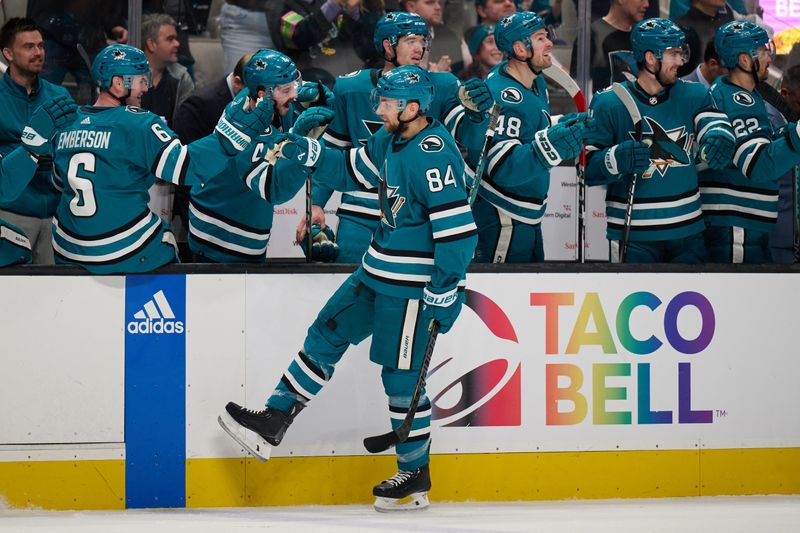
{"points": [[247, 439], [414, 502]]}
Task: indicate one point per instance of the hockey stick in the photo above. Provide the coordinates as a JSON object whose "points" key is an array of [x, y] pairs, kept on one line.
{"points": [[316, 133], [562, 78], [627, 100], [379, 443], [494, 116]]}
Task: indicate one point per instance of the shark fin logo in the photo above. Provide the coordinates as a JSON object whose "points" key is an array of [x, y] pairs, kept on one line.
{"points": [[512, 95], [490, 394], [372, 126], [432, 143], [390, 202], [668, 148]]}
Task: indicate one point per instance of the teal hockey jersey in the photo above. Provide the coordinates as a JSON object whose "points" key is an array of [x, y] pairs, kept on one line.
{"points": [[15, 248], [745, 194], [227, 222], [356, 121], [106, 161], [667, 202], [515, 180], [39, 197], [427, 234]]}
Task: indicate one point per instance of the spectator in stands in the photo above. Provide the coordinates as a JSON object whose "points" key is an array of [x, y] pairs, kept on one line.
{"points": [[445, 45], [484, 51], [65, 25], [171, 81], [611, 34], [22, 91], [599, 9], [783, 241], [700, 25], [491, 11], [308, 29], [243, 28], [709, 70], [195, 119]]}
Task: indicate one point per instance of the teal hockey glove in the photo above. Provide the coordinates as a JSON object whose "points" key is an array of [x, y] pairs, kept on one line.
{"points": [[476, 99], [309, 95], [299, 150], [562, 141], [627, 157], [323, 249], [792, 133], [45, 123], [717, 149], [441, 306], [239, 123], [313, 117]]}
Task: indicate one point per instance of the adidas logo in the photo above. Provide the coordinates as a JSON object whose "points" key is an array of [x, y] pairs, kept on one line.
{"points": [[156, 316], [87, 120]]}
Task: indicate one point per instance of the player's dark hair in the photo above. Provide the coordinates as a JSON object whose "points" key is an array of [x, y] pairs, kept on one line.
{"points": [[791, 79], [710, 53], [14, 26], [238, 70]]}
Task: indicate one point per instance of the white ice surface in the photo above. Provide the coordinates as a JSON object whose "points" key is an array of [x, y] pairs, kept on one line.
{"points": [[753, 514]]}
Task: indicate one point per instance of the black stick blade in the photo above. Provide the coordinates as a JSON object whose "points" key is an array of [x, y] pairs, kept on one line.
{"points": [[380, 443]]}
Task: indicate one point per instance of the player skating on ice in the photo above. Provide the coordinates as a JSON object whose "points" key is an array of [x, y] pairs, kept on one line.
{"points": [[412, 274]]}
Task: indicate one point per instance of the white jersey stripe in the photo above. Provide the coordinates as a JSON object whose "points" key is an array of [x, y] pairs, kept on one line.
{"points": [[112, 256], [227, 227], [150, 219]]}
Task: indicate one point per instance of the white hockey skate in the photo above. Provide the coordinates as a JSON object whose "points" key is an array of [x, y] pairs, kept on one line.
{"points": [[405, 491]]}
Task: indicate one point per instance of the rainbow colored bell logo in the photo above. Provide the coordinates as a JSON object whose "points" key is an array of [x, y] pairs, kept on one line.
{"points": [[564, 381]]}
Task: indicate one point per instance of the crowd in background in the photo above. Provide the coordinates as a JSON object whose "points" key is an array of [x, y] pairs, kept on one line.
{"points": [[328, 38]]}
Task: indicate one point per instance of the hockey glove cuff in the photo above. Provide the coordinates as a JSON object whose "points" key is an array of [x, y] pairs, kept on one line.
{"points": [[443, 307], [239, 123], [627, 157], [299, 150], [560, 142]]}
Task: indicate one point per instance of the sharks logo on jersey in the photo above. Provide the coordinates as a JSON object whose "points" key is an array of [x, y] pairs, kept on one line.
{"points": [[512, 95], [668, 148], [390, 201], [743, 99], [431, 143]]}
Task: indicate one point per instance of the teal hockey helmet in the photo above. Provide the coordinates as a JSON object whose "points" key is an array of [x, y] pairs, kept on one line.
{"points": [[740, 37], [119, 60], [268, 69], [656, 35], [516, 27], [396, 24], [405, 84]]}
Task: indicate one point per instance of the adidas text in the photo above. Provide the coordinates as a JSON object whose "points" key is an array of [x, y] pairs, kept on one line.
{"points": [[158, 326]]}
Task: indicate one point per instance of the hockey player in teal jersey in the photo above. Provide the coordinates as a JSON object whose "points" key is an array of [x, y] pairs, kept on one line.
{"points": [[401, 39], [227, 222], [108, 158], [512, 196], [740, 201], [412, 273], [666, 221]]}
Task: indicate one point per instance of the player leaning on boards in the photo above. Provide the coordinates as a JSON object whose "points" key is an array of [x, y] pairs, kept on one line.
{"points": [[657, 160], [412, 274], [108, 158], [512, 196], [227, 222], [401, 39], [740, 201]]}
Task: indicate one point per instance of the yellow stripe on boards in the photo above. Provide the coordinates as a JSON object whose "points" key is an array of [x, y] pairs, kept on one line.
{"points": [[236, 482], [62, 485]]}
